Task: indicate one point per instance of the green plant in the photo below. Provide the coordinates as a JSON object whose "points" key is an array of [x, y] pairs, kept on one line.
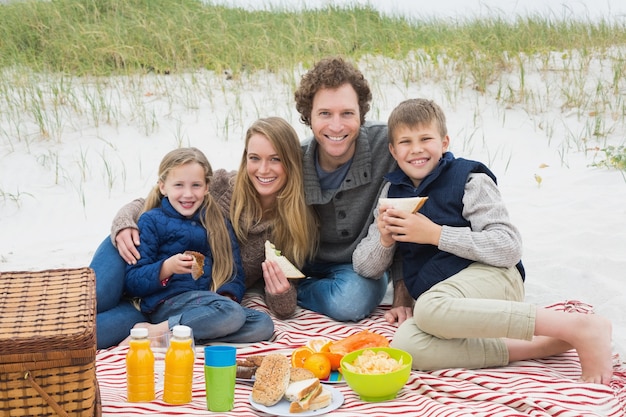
{"points": [[614, 157]]}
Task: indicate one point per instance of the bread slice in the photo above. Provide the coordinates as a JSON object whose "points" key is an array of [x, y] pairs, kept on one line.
{"points": [[197, 269], [323, 399], [298, 374], [296, 391], [410, 204], [301, 393], [271, 379], [284, 264]]}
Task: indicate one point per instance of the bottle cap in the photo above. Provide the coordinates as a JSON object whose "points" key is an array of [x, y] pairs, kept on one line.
{"points": [[219, 356], [181, 332], [139, 333]]}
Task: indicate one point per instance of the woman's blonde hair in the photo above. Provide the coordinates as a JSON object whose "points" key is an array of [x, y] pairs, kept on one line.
{"points": [[211, 216], [294, 224]]}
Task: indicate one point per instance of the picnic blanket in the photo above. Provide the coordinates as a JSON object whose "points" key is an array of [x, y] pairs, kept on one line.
{"points": [[545, 387]]}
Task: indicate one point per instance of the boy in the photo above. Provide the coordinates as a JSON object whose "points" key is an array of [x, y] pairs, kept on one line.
{"points": [[461, 262]]}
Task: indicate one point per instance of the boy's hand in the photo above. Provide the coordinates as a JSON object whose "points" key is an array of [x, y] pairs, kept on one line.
{"points": [[408, 227], [386, 238]]}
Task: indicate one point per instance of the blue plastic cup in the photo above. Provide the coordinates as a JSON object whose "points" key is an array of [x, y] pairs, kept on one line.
{"points": [[220, 373]]}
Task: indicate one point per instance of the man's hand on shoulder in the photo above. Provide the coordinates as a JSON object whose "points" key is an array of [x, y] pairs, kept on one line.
{"points": [[127, 241]]}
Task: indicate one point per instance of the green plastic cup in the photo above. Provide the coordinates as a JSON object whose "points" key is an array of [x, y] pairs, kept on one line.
{"points": [[220, 372]]}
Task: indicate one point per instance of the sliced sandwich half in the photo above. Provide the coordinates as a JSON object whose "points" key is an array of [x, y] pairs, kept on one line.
{"points": [[284, 264], [410, 204], [302, 394]]}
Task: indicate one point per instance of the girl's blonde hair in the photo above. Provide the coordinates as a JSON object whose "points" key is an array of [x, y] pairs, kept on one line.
{"points": [[294, 224], [211, 216]]}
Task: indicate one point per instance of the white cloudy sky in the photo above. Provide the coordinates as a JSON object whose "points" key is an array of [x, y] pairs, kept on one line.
{"points": [[580, 9]]}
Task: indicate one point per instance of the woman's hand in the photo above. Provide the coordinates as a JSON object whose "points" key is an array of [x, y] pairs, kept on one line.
{"points": [[127, 241], [275, 280]]}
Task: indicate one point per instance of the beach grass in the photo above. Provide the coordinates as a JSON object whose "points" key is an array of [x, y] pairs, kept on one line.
{"points": [[65, 60], [98, 37]]}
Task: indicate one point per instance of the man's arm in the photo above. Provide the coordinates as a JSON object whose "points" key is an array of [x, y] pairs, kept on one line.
{"points": [[402, 306]]}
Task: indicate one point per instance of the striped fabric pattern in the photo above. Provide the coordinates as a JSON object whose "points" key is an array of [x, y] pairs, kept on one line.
{"points": [[545, 387]]}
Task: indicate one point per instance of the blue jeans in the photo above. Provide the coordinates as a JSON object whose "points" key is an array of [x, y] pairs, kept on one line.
{"points": [[338, 292], [215, 318], [115, 315]]}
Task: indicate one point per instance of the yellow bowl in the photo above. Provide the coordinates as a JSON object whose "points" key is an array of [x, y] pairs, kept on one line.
{"points": [[377, 387]]}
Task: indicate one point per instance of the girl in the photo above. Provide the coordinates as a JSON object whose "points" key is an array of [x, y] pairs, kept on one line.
{"points": [[180, 215]]}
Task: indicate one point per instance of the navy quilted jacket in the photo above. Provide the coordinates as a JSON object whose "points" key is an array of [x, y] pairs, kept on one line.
{"points": [[165, 232]]}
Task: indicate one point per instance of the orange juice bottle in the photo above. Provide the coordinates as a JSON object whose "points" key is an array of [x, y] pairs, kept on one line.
{"points": [[139, 367], [179, 360]]}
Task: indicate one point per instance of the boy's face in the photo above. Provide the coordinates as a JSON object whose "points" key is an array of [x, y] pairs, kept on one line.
{"points": [[335, 121], [418, 149]]}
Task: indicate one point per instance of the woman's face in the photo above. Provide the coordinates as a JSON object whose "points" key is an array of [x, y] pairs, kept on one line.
{"points": [[265, 169]]}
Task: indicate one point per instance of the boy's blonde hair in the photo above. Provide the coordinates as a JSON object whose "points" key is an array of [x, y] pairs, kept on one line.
{"points": [[416, 112], [212, 218], [294, 224]]}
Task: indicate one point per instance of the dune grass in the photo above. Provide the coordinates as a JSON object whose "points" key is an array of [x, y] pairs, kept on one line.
{"points": [[67, 60], [104, 37]]}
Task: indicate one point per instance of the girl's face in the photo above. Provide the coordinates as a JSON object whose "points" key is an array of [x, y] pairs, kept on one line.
{"points": [[185, 187], [265, 169], [418, 150]]}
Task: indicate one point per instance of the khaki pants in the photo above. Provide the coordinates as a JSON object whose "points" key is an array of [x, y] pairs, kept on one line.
{"points": [[460, 322]]}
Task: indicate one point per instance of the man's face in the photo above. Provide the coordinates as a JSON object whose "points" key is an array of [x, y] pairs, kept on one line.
{"points": [[335, 121]]}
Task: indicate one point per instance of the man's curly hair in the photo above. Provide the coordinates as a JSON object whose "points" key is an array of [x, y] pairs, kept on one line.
{"points": [[331, 73]]}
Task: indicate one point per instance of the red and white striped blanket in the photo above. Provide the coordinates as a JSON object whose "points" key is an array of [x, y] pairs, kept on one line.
{"points": [[544, 387]]}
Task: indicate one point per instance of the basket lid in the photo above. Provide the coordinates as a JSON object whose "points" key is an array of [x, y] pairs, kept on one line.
{"points": [[47, 310]]}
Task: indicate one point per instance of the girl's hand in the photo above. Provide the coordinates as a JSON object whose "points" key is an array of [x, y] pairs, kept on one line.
{"points": [[275, 280], [176, 264]]}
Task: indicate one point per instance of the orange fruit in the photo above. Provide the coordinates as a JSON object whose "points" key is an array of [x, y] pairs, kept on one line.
{"points": [[318, 345], [319, 364], [335, 359], [299, 355]]}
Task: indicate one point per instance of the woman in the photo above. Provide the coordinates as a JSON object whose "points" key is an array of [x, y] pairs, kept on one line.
{"points": [[264, 200]]}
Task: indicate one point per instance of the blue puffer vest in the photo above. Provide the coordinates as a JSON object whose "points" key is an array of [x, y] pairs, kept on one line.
{"points": [[426, 265]]}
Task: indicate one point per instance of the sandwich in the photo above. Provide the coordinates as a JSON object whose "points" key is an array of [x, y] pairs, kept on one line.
{"points": [[273, 254], [410, 204], [304, 395], [321, 400], [271, 379], [197, 269]]}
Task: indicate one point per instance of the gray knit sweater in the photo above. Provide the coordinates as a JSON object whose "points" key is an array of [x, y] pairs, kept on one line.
{"points": [[252, 252], [346, 213], [492, 238]]}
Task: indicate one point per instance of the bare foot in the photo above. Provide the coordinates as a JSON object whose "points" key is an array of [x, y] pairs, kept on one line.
{"points": [[593, 344]]}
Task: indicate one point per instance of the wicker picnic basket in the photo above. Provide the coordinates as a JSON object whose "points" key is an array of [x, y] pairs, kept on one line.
{"points": [[48, 343]]}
